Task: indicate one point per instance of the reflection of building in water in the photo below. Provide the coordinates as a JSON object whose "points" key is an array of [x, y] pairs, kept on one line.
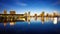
{"points": [[58, 18], [55, 20], [5, 23], [12, 23]]}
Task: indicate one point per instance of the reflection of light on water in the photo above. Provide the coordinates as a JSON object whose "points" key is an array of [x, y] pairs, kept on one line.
{"points": [[51, 19], [58, 19], [46, 20], [12, 23], [42, 22], [55, 20], [5, 24], [28, 22], [33, 19]]}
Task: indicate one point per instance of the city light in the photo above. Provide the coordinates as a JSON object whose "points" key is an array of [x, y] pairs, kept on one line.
{"points": [[13, 17]]}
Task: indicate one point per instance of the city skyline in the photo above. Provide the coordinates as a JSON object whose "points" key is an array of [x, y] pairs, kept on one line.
{"points": [[13, 17], [15, 12]]}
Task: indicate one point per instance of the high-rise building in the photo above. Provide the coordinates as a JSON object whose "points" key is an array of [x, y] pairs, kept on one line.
{"points": [[35, 16], [5, 12], [12, 12]]}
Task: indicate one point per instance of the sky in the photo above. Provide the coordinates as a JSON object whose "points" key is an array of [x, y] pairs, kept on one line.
{"points": [[34, 6]]}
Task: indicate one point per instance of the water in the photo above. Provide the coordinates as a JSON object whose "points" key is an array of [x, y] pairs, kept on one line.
{"points": [[32, 28]]}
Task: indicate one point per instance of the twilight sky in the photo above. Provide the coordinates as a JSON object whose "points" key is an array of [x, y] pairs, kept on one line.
{"points": [[34, 6]]}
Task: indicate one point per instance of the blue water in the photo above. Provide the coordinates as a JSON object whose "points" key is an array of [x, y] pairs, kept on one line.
{"points": [[32, 28]]}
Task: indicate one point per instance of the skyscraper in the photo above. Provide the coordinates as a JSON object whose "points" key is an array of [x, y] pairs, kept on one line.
{"points": [[12, 12], [5, 12]]}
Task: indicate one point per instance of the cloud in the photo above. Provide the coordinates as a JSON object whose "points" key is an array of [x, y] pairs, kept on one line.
{"points": [[21, 4]]}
